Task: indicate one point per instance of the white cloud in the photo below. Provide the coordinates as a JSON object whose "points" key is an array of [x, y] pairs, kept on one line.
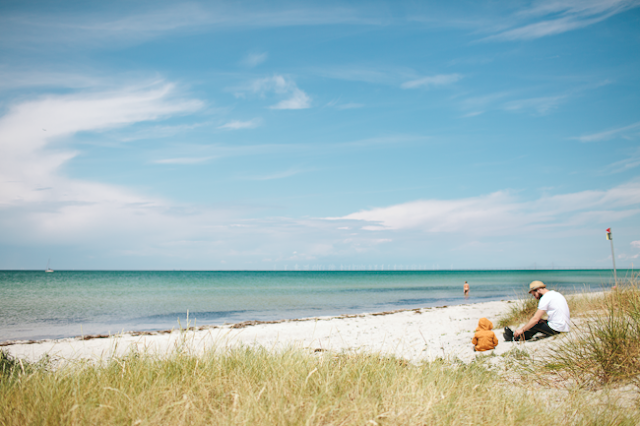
{"points": [[13, 78], [542, 105], [237, 124], [70, 209], [378, 74], [254, 59], [515, 101], [610, 134], [559, 16], [349, 105], [277, 175], [156, 132], [484, 101], [282, 86], [635, 244], [135, 24], [298, 100], [502, 213], [432, 81], [473, 114], [29, 130], [629, 163]]}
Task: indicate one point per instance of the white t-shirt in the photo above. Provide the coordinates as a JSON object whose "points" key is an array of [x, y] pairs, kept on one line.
{"points": [[555, 305]]}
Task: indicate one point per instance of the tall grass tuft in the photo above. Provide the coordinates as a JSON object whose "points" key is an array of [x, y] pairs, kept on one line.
{"points": [[256, 386], [580, 303], [605, 346], [519, 312]]}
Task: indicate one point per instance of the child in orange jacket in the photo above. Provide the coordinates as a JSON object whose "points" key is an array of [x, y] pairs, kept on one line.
{"points": [[484, 339]]}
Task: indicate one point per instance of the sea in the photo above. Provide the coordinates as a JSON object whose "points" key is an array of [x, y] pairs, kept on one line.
{"points": [[37, 305]]}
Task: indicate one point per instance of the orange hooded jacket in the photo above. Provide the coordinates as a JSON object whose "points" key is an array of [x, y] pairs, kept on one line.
{"points": [[484, 339]]}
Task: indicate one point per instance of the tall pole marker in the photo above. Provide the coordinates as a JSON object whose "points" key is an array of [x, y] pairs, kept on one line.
{"points": [[613, 257]]}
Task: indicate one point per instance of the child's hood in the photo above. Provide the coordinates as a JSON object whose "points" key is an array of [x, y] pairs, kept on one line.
{"points": [[484, 324]]}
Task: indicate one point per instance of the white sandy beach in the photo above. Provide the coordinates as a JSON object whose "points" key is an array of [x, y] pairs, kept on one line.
{"points": [[415, 335]]}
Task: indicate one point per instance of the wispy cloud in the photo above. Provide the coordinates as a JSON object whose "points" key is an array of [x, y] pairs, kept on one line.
{"points": [[184, 160], [236, 124], [610, 134], [32, 159], [272, 176], [518, 101], [628, 163], [541, 105], [473, 114], [155, 132], [218, 151], [11, 78], [131, 25], [347, 105], [553, 17], [359, 73], [298, 100], [284, 87], [431, 81], [502, 213], [254, 59], [484, 101]]}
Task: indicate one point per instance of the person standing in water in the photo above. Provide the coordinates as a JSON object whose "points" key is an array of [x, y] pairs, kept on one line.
{"points": [[465, 287]]}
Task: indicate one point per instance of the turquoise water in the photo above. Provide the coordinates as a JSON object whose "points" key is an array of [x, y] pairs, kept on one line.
{"points": [[37, 305]]}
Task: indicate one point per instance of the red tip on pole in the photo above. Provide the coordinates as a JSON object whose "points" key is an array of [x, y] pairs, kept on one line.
{"points": [[608, 229]]}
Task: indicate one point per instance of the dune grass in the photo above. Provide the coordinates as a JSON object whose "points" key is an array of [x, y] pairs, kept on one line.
{"points": [[580, 303], [519, 312], [260, 387], [605, 345]]}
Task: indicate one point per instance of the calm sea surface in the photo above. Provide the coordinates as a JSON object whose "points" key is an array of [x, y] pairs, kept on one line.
{"points": [[37, 305]]}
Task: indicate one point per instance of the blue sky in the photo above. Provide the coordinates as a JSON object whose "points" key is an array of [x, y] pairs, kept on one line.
{"points": [[319, 135]]}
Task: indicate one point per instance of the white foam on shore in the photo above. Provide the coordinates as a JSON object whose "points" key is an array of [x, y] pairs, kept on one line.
{"points": [[415, 335]]}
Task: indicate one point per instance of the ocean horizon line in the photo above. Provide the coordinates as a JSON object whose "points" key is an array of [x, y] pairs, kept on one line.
{"points": [[324, 270]]}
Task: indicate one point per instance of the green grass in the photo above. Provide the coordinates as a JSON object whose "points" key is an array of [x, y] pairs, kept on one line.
{"points": [[522, 309], [605, 345], [256, 386], [519, 312]]}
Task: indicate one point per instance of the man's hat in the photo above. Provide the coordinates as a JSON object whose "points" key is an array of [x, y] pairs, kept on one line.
{"points": [[536, 285]]}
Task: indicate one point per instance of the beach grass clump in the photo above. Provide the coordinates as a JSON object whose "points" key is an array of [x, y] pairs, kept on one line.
{"points": [[256, 386], [8, 365], [580, 304], [605, 346], [519, 312]]}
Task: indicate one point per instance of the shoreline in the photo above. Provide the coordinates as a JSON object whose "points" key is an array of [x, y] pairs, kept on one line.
{"points": [[413, 334], [237, 325]]}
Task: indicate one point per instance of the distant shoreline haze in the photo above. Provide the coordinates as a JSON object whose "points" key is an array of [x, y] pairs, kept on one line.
{"points": [[326, 270]]}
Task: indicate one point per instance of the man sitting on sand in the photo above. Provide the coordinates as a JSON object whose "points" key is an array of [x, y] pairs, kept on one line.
{"points": [[551, 302]]}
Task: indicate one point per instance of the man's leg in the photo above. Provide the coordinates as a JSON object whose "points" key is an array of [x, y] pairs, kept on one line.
{"points": [[540, 327]]}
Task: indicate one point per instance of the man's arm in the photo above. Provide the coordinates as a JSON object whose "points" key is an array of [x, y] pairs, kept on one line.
{"points": [[533, 321]]}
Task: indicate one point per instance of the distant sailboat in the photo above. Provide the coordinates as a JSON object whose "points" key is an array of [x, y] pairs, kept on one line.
{"points": [[48, 269]]}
